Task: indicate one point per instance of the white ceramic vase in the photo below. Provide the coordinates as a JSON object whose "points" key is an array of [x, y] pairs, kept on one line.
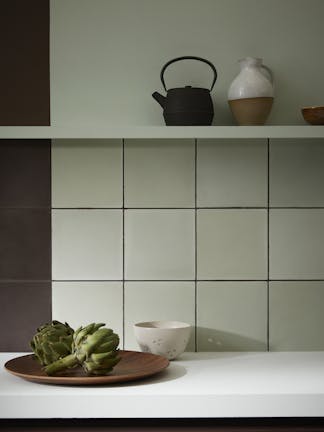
{"points": [[250, 96]]}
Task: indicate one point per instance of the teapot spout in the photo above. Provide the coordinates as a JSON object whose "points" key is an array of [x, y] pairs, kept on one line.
{"points": [[159, 98]]}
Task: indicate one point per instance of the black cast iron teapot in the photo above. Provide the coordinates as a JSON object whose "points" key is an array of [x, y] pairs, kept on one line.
{"points": [[186, 106]]}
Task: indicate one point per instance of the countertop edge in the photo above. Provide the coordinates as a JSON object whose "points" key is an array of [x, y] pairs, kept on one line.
{"points": [[198, 385]]}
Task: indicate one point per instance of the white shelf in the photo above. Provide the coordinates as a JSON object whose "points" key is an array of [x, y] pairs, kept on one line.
{"points": [[199, 385], [168, 132]]}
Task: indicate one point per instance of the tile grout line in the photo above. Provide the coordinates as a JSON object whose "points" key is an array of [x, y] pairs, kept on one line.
{"points": [[123, 236], [196, 245], [268, 244]]}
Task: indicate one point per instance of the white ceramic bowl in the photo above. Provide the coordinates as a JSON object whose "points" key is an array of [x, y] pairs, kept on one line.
{"points": [[166, 338]]}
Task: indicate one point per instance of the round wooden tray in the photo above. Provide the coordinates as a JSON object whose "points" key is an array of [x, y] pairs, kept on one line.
{"points": [[133, 365]]}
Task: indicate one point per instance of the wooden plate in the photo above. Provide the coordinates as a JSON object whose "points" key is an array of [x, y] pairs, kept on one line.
{"points": [[133, 365]]}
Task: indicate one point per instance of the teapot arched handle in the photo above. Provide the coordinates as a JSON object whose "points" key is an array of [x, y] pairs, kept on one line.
{"points": [[188, 58]]}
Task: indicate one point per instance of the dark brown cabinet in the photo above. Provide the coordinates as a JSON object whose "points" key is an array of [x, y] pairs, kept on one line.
{"points": [[165, 425]]}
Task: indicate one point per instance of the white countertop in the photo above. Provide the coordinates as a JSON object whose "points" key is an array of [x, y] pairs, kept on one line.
{"points": [[241, 384]]}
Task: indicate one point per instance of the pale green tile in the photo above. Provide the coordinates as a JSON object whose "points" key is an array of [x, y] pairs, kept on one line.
{"points": [[296, 172], [160, 244], [155, 301], [232, 316], [87, 173], [80, 303], [232, 173], [159, 173], [296, 316], [232, 244], [296, 243], [86, 244]]}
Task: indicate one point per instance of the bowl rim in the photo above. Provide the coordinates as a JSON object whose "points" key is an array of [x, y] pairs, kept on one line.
{"points": [[162, 325], [312, 107]]}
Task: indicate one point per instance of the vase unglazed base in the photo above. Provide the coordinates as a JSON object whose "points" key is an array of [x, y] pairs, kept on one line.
{"points": [[251, 111]]}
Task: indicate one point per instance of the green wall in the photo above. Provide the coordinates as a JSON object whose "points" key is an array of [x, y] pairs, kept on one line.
{"points": [[106, 55]]}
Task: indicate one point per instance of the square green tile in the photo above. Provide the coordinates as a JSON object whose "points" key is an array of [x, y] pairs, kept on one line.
{"points": [[296, 172], [156, 301], [232, 316], [87, 244], [87, 173], [296, 316], [232, 173], [296, 243], [160, 244], [232, 244], [159, 173], [80, 303]]}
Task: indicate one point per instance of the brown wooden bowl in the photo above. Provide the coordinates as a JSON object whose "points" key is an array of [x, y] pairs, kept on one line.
{"points": [[313, 115]]}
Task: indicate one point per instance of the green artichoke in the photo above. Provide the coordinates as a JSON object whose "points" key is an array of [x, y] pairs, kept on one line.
{"points": [[94, 348], [52, 342]]}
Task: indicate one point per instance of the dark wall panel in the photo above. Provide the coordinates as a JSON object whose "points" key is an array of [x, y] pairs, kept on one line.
{"points": [[25, 240], [24, 71], [24, 306], [25, 174]]}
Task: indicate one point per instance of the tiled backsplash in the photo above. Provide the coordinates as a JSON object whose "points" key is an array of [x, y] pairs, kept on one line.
{"points": [[224, 234]]}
